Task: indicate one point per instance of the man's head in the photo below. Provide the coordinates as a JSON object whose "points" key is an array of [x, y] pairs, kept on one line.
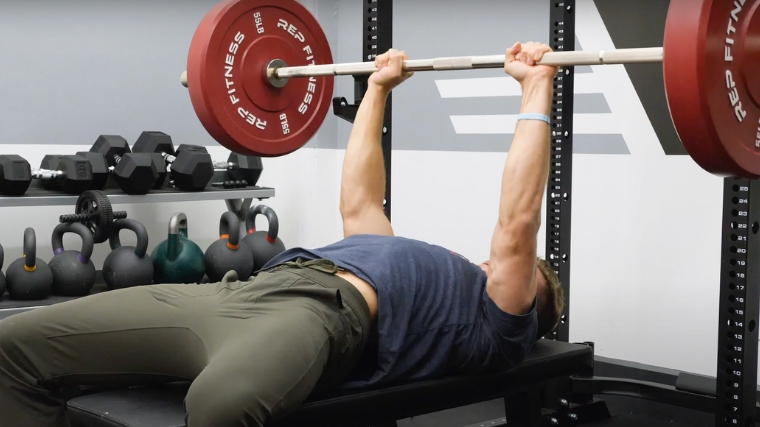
{"points": [[550, 298]]}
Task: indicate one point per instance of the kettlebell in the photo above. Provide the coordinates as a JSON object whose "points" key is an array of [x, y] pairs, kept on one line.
{"points": [[2, 276], [73, 272], [178, 259], [265, 245], [225, 254], [29, 278], [128, 266]]}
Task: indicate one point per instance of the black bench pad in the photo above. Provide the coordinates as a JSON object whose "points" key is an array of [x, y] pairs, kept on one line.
{"points": [[163, 406]]}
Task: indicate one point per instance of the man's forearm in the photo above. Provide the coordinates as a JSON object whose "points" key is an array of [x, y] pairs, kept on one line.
{"points": [[363, 180], [527, 168]]}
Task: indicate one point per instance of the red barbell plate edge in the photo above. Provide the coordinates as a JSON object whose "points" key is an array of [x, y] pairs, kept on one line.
{"points": [[197, 71], [686, 86]]}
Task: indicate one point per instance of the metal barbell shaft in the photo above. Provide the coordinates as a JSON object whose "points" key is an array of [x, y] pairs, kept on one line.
{"points": [[620, 56], [617, 56]]}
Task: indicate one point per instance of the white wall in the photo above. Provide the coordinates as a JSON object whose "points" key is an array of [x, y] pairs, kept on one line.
{"points": [[646, 227]]}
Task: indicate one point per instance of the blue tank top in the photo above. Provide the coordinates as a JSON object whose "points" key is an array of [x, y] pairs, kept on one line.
{"points": [[434, 315]]}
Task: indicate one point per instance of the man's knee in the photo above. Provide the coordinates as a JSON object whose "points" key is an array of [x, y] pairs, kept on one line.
{"points": [[16, 332], [218, 403]]}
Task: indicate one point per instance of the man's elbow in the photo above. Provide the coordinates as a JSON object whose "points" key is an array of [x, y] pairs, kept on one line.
{"points": [[517, 227]]}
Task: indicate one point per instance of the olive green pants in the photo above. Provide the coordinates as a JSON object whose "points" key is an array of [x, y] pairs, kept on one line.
{"points": [[254, 350]]}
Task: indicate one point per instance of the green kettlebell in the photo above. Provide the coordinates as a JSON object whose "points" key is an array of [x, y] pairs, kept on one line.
{"points": [[178, 259]]}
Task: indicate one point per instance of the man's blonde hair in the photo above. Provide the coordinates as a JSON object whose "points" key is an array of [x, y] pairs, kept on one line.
{"points": [[551, 300]]}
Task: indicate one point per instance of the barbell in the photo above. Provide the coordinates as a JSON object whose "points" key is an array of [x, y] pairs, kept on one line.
{"points": [[260, 77]]}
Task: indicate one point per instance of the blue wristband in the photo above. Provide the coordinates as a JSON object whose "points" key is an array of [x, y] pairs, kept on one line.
{"points": [[532, 116]]}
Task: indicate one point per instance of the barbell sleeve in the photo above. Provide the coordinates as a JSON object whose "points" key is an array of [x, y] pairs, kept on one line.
{"points": [[616, 56]]}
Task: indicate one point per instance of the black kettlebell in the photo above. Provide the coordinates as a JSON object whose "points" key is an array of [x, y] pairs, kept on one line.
{"points": [[178, 259], [29, 278], [2, 276], [73, 272], [265, 245], [128, 266], [225, 254]]}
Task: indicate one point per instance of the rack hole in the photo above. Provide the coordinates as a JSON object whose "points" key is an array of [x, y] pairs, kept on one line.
{"points": [[735, 200], [732, 274], [735, 188], [734, 212], [733, 249], [755, 227], [752, 326], [732, 286], [733, 237], [731, 298]]}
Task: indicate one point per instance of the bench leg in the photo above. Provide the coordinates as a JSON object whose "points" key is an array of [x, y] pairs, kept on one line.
{"points": [[523, 409]]}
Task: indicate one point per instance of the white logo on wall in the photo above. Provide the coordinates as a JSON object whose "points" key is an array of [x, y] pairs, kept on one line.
{"points": [[595, 132]]}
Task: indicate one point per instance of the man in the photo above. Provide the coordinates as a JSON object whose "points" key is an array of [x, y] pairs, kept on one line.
{"points": [[368, 310]]}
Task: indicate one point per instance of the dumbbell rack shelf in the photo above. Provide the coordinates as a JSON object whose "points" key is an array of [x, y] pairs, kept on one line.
{"points": [[238, 201], [35, 197]]}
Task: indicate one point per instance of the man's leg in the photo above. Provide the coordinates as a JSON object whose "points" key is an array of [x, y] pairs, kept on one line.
{"points": [[301, 336], [118, 338]]}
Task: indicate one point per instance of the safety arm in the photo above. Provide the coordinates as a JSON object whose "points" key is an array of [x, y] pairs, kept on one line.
{"points": [[512, 281], [363, 180]]}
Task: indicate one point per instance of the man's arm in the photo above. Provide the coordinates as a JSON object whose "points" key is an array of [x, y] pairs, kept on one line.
{"points": [[362, 189], [512, 280]]}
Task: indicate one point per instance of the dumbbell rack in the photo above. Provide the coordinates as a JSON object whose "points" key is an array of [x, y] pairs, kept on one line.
{"points": [[238, 201]]}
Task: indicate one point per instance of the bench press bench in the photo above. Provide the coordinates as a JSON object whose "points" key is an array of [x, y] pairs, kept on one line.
{"points": [[162, 406]]}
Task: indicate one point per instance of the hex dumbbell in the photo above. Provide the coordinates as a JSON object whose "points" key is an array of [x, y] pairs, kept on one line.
{"points": [[110, 156], [189, 170], [238, 166], [70, 174]]}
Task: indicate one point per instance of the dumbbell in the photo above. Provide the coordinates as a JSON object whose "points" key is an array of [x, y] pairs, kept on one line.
{"points": [[134, 173], [238, 166], [71, 174], [189, 170]]}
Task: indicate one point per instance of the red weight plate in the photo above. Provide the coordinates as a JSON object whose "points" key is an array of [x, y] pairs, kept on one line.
{"points": [[711, 80], [226, 76]]}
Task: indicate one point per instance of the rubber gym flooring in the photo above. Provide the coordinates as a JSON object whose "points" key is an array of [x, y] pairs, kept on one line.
{"points": [[617, 421]]}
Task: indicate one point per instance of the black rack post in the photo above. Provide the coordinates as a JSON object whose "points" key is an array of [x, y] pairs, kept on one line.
{"points": [[377, 24], [739, 304], [559, 190], [379, 38]]}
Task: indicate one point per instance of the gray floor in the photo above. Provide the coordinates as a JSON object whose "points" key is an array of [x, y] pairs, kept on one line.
{"points": [[493, 413]]}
